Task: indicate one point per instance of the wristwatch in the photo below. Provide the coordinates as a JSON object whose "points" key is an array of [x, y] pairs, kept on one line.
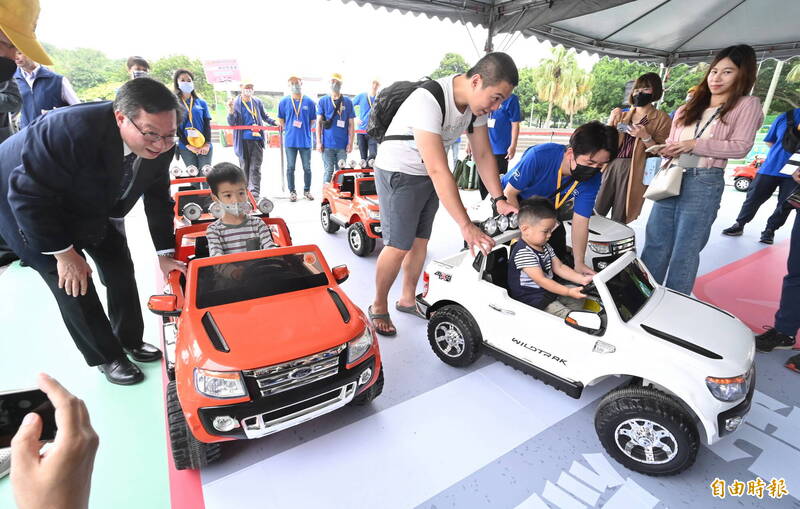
{"points": [[495, 200]]}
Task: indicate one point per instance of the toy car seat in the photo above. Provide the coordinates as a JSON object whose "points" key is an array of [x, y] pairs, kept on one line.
{"points": [[496, 271], [348, 184], [201, 247]]}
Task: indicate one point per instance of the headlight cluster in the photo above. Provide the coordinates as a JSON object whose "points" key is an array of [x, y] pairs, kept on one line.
{"points": [[219, 384], [265, 205], [600, 247], [189, 171], [374, 214], [499, 224], [357, 347], [730, 389]]}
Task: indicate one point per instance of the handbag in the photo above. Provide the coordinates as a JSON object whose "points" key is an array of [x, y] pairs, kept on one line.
{"points": [[666, 183]]}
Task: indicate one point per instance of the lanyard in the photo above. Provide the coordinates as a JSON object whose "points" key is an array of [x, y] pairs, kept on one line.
{"points": [[370, 101], [698, 134], [568, 193], [251, 112], [189, 107], [297, 109]]}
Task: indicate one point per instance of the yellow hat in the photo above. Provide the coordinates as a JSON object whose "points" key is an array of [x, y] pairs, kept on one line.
{"points": [[336, 76], [18, 21], [198, 140]]}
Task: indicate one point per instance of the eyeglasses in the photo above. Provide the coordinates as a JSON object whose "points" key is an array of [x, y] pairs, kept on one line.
{"points": [[155, 137]]}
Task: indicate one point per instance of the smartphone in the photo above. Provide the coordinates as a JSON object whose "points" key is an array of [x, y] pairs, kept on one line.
{"points": [[623, 127], [15, 405], [655, 148]]}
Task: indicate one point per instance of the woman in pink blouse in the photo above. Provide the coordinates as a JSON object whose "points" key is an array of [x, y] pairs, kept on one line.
{"points": [[720, 121]]}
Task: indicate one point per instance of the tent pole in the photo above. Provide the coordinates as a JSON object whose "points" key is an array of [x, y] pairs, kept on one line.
{"points": [[773, 84], [489, 47]]}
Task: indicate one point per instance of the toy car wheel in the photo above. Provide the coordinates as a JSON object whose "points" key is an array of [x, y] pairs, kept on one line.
{"points": [[187, 451], [454, 336], [360, 243], [646, 431], [325, 219], [741, 184], [373, 392]]}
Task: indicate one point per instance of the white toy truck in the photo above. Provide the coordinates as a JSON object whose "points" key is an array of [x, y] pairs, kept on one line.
{"points": [[686, 367]]}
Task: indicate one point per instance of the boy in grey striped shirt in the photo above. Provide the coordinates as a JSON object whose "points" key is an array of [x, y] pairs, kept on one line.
{"points": [[236, 231]]}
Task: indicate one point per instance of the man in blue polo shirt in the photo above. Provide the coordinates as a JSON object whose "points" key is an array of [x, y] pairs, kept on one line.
{"points": [[42, 89], [296, 114], [363, 102], [783, 139], [561, 173], [503, 134], [335, 124]]}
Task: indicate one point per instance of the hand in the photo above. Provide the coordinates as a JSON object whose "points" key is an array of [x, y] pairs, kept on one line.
{"points": [[204, 150], [167, 264], [505, 208], [575, 293], [73, 272], [796, 176], [349, 147], [585, 280], [475, 238], [638, 131], [62, 476], [676, 149], [469, 149], [511, 151], [583, 270]]}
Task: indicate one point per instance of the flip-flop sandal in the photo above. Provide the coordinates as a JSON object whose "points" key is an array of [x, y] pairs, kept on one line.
{"points": [[793, 363], [381, 316], [411, 310]]}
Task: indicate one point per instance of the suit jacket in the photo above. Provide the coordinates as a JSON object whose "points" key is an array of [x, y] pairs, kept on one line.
{"points": [[60, 183]]}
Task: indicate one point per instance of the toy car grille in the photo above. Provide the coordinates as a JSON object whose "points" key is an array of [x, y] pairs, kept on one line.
{"points": [[290, 375], [622, 246]]}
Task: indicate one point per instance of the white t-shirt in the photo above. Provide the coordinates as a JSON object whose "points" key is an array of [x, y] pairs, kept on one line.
{"points": [[421, 111]]}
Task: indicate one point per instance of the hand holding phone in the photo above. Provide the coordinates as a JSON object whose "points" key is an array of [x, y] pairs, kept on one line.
{"points": [[623, 127], [655, 148]]}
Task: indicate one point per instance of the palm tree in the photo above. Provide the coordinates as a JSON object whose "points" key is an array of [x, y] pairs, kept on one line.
{"points": [[552, 75], [794, 74], [577, 92]]}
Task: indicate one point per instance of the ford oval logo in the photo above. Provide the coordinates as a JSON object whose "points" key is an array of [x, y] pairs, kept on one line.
{"points": [[300, 373]]}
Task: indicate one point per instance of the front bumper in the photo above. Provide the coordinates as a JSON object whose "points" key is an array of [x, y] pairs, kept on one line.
{"points": [[736, 413], [266, 415]]}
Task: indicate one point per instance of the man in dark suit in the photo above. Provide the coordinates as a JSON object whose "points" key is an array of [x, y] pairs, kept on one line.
{"points": [[65, 183]]}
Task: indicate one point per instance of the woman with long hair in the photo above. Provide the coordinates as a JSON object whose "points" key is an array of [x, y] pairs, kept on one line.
{"points": [[719, 122], [195, 131], [641, 127]]}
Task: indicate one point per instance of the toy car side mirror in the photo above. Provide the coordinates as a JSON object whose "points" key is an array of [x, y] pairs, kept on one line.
{"points": [[164, 305], [341, 273], [346, 195], [585, 321]]}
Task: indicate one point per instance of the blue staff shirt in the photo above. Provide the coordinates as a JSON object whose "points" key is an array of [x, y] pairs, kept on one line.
{"points": [[777, 156], [363, 104], [500, 133], [200, 116], [335, 137], [537, 175], [297, 137]]}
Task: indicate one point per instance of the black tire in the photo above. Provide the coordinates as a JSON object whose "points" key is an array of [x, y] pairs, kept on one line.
{"points": [[360, 244], [741, 184], [462, 346], [373, 392], [187, 451], [325, 219], [656, 412]]}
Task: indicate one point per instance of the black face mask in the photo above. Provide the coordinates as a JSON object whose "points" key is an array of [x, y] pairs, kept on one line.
{"points": [[7, 68], [642, 99], [582, 173]]}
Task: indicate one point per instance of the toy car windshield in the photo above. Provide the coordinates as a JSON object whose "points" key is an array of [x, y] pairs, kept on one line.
{"points": [[630, 288], [367, 188], [231, 282]]}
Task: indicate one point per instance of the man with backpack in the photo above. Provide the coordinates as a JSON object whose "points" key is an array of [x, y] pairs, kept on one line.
{"points": [[414, 122]]}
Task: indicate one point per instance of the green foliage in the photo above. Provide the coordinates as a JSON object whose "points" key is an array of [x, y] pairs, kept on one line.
{"points": [[610, 76], [787, 93], [679, 80], [103, 92], [163, 70], [86, 67], [452, 63]]}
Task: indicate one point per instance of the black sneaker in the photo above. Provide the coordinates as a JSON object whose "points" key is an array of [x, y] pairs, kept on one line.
{"points": [[792, 363], [734, 231], [773, 340], [767, 236]]}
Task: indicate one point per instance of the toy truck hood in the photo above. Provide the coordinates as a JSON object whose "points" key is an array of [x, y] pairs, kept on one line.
{"points": [[276, 329], [602, 229], [700, 328]]}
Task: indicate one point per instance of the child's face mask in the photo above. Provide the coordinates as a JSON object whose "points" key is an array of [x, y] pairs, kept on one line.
{"points": [[238, 208]]}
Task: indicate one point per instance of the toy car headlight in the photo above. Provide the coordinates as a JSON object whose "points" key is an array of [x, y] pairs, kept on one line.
{"points": [[206, 169], [353, 163], [265, 205], [192, 211], [219, 384], [362, 163], [356, 348], [374, 214], [728, 389], [502, 223], [513, 221], [341, 163], [192, 171], [600, 247], [175, 171], [371, 163], [216, 210], [490, 226]]}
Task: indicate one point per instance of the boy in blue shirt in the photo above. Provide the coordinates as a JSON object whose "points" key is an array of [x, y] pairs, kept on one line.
{"points": [[296, 117], [363, 102], [533, 263], [335, 127]]}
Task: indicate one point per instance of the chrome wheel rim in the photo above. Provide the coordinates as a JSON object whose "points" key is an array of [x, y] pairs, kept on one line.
{"points": [[645, 441], [449, 339], [325, 219], [355, 239]]}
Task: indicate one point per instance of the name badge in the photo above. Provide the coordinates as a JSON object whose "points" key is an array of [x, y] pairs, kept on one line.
{"points": [[192, 133], [255, 134], [340, 123], [297, 123], [490, 123]]}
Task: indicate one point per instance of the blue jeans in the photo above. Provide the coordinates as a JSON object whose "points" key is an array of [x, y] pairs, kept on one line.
{"points": [[760, 191], [192, 159], [331, 158], [291, 159], [787, 319], [367, 146], [678, 228]]}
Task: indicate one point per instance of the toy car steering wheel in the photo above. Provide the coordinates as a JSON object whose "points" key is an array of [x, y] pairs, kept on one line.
{"points": [[590, 289]]}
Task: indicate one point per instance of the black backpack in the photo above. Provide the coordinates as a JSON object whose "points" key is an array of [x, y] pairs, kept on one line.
{"points": [[388, 102], [791, 139]]}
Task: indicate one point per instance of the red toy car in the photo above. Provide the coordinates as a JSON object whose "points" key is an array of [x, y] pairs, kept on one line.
{"points": [[350, 201], [744, 175], [243, 359]]}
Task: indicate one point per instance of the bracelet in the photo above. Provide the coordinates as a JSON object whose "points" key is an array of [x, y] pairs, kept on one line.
{"points": [[647, 140]]}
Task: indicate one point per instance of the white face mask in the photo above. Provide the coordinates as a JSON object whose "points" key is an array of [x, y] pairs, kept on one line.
{"points": [[247, 92], [139, 74], [186, 86], [295, 88], [238, 208]]}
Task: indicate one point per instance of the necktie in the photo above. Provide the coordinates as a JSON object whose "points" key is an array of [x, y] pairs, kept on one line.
{"points": [[127, 174]]}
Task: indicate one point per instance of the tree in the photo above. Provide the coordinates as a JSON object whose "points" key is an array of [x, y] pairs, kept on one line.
{"points": [[163, 70], [577, 92], [452, 63], [787, 95], [608, 90], [86, 67], [552, 76], [678, 82]]}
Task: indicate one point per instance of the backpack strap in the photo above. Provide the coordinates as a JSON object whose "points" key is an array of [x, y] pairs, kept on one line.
{"points": [[791, 138], [436, 90]]}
